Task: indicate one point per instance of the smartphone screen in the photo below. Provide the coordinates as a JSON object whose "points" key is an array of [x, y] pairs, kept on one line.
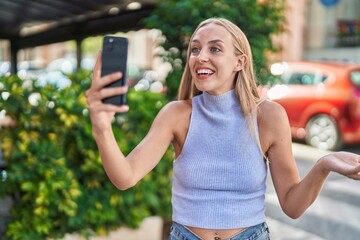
{"points": [[114, 59]]}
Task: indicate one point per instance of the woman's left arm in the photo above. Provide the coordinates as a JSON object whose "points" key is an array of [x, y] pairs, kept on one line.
{"points": [[296, 195]]}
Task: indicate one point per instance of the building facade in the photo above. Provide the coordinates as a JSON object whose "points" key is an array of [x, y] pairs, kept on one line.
{"points": [[321, 30]]}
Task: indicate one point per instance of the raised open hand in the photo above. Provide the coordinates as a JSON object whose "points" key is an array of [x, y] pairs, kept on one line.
{"points": [[345, 163]]}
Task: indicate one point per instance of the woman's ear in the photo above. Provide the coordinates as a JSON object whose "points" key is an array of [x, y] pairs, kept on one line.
{"points": [[241, 62]]}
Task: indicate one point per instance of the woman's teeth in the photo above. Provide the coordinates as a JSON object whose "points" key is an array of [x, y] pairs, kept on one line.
{"points": [[204, 71]]}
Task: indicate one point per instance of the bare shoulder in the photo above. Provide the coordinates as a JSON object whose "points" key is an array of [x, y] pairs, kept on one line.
{"points": [[273, 124], [270, 113], [173, 112], [176, 108], [180, 105]]}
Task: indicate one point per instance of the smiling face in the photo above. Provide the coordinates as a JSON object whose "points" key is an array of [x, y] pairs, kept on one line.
{"points": [[212, 61]]}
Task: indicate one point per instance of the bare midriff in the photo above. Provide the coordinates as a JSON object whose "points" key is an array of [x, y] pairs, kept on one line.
{"points": [[213, 234]]}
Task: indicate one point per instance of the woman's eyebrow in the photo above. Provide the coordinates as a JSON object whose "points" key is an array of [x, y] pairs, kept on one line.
{"points": [[216, 41], [211, 42]]}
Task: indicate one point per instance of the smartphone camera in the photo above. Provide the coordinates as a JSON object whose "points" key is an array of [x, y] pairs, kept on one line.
{"points": [[109, 44]]}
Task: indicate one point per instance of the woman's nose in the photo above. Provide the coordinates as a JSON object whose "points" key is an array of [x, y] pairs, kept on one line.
{"points": [[203, 56]]}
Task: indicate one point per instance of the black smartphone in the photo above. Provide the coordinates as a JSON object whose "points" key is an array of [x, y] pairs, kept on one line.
{"points": [[114, 59]]}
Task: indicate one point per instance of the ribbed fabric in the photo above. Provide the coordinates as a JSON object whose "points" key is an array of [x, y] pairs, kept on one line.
{"points": [[219, 178]]}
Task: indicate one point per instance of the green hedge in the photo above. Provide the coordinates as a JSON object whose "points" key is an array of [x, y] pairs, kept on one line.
{"points": [[55, 175]]}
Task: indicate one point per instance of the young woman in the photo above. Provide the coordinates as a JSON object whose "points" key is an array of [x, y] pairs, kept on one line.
{"points": [[221, 132]]}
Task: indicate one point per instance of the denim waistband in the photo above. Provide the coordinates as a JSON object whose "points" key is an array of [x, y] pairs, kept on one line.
{"points": [[257, 232]]}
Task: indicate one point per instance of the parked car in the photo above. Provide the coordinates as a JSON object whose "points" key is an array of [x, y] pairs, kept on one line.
{"points": [[322, 100]]}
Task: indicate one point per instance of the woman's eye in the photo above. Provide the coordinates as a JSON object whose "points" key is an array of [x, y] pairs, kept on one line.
{"points": [[195, 50], [215, 49]]}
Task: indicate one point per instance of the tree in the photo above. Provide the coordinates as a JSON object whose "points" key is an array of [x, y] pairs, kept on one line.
{"points": [[259, 20]]}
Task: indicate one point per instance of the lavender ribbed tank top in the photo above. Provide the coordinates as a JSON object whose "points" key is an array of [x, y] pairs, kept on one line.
{"points": [[219, 179]]}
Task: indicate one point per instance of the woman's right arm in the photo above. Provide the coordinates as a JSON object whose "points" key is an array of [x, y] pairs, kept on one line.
{"points": [[124, 171]]}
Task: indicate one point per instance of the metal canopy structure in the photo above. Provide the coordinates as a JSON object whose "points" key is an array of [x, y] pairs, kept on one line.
{"points": [[31, 23]]}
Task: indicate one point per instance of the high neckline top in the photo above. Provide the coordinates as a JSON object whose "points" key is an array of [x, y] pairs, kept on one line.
{"points": [[222, 102], [219, 178]]}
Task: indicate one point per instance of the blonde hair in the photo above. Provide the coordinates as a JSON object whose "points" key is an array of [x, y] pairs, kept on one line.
{"points": [[245, 79]]}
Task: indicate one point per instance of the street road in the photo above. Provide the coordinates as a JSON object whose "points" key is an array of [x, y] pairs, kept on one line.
{"points": [[335, 215]]}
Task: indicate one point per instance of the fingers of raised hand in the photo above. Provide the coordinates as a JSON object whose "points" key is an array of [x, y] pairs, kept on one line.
{"points": [[95, 96], [100, 82], [98, 107]]}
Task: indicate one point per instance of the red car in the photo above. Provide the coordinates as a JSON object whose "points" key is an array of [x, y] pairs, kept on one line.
{"points": [[322, 100]]}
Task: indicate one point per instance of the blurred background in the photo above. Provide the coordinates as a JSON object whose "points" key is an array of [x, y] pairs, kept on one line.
{"points": [[307, 58]]}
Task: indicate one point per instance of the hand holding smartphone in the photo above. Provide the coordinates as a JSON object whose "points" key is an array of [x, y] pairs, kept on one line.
{"points": [[114, 59]]}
